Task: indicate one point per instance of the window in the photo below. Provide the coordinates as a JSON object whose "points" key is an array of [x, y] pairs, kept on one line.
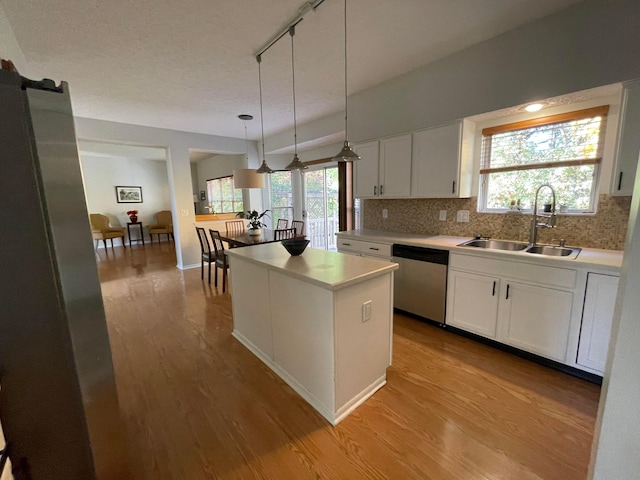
{"points": [[223, 198], [564, 151], [281, 196]]}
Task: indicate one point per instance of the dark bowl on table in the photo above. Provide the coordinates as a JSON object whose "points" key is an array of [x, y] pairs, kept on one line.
{"points": [[295, 246]]}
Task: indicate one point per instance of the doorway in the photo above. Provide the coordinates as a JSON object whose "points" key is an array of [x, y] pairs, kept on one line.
{"points": [[321, 206]]}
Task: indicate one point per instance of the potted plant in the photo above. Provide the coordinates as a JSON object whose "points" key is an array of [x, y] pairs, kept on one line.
{"points": [[255, 223]]}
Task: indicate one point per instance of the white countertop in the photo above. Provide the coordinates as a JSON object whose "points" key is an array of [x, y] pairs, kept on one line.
{"points": [[608, 260], [330, 270]]}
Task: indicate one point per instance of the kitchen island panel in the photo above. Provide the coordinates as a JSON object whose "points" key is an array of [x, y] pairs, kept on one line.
{"points": [[250, 299], [302, 319], [363, 348]]}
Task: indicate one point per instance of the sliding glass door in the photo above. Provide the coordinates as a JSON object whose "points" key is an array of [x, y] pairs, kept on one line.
{"points": [[321, 207]]}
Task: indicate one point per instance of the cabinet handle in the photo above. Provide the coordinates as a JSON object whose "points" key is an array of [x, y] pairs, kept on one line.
{"points": [[375, 190], [507, 297], [374, 248], [493, 294], [620, 181], [380, 189], [346, 244], [453, 187]]}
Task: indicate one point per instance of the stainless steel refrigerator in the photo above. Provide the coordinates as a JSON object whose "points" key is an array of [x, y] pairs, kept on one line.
{"points": [[58, 400]]}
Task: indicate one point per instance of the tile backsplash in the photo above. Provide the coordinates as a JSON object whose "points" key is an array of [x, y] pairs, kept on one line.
{"points": [[607, 229]]}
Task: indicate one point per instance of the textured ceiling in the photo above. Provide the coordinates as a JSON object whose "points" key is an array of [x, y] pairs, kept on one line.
{"points": [[190, 65]]}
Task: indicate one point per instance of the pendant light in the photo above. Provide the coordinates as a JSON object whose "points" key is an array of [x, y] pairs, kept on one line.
{"points": [[247, 177], [295, 164], [264, 168], [346, 154]]}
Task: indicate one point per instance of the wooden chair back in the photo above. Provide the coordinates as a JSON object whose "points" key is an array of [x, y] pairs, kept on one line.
{"points": [[299, 227], [235, 226], [282, 223], [204, 242], [281, 234], [218, 245]]}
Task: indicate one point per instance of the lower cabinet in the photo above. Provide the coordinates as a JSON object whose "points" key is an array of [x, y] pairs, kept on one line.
{"points": [[496, 301], [597, 318], [472, 302], [536, 319]]}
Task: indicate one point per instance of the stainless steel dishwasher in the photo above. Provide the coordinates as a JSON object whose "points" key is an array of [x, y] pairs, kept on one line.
{"points": [[420, 284]]}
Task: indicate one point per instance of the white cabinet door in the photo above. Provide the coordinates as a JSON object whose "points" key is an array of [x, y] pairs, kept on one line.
{"points": [[442, 162], [395, 166], [536, 319], [472, 302], [365, 178], [628, 140], [597, 317]]}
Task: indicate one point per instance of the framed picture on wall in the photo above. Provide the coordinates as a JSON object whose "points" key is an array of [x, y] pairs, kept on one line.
{"points": [[129, 194]]}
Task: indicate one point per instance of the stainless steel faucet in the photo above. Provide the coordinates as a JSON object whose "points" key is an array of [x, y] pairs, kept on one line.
{"points": [[550, 223]]}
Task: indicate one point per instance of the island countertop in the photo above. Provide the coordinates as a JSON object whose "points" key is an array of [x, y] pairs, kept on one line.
{"points": [[330, 270]]}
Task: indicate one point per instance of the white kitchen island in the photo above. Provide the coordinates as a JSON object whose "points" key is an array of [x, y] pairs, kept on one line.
{"points": [[323, 321]]}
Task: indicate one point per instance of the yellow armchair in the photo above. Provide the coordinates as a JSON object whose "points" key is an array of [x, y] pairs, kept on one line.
{"points": [[164, 224], [101, 230]]}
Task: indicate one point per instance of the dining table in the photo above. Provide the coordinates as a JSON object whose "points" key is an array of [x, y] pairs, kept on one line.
{"points": [[243, 239]]}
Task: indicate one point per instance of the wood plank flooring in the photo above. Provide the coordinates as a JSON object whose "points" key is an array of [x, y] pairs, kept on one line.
{"points": [[198, 405]]}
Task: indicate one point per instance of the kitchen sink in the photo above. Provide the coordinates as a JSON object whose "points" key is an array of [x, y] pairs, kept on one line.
{"points": [[496, 244], [513, 246], [553, 251]]}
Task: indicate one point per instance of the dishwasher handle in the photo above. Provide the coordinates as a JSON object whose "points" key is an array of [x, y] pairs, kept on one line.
{"points": [[422, 254]]}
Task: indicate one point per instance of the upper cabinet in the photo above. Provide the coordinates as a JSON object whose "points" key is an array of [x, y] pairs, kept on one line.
{"points": [[384, 171], [628, 140], [432, 163], [443, 161]]}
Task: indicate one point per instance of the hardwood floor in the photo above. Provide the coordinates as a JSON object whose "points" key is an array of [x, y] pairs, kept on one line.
{"points": [[198, 405]]}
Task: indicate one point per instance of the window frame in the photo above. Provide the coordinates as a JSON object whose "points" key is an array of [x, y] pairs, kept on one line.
{"points": [[275, 210], [234, 201], [485, 160]]}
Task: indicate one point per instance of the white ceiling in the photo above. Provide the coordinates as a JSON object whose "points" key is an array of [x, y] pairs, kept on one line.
{"points": [[190, 65]]}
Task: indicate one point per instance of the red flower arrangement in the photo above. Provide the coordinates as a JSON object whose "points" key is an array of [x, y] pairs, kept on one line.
{"points": [[133, 215]]}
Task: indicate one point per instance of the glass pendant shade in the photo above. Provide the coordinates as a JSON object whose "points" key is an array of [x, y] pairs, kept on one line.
{"points": [[346, 154], [296, 164], [264, 168]]}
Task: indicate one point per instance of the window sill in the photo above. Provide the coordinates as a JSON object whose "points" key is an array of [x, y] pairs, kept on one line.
{"points": [[529, 213]]}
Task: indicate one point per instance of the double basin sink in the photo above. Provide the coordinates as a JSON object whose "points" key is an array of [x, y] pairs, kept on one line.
{"points": [[512, 246]]}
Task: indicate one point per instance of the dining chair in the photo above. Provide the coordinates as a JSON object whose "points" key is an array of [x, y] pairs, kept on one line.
{"points": [[207, 255], [282, 223], [299, 227], [281, 234], [101, 230], [220, 258]]}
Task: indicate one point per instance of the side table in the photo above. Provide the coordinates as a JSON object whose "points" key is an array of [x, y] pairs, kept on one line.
{"points": [[137, 224]]}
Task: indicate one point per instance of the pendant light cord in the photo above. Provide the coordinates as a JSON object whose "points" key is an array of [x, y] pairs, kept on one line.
{"points": [[292, 32], [259, 59], [346, 131]]}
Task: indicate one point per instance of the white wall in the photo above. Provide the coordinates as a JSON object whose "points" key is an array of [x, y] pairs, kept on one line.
{"points": [[101, 175], [9, 49]]}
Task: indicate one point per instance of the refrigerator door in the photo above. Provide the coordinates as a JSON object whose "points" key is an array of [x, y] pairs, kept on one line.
{"points": [[58, 404]]}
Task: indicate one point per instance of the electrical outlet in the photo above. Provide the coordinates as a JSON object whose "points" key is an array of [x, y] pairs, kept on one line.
{"points": [[443, 216], [462, 216], [385, 213], [366, 311], [184, 212]]}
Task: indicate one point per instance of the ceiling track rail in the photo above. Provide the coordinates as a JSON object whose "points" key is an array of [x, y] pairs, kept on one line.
{"points": [[304, 10]]}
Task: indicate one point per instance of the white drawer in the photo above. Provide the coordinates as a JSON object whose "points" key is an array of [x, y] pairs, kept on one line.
{"points": [[372, 249]]}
